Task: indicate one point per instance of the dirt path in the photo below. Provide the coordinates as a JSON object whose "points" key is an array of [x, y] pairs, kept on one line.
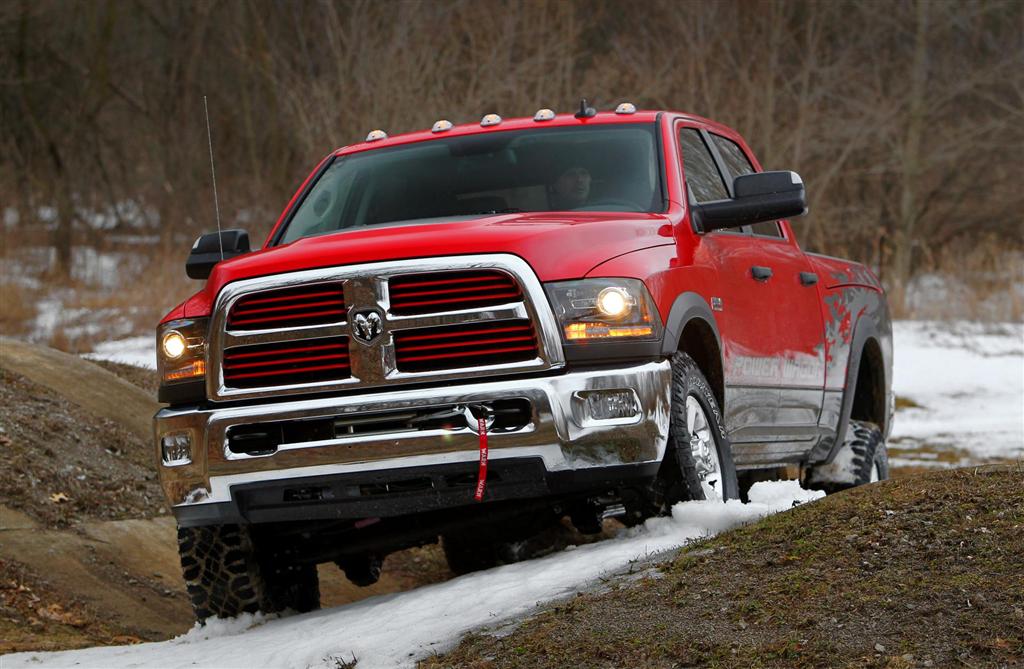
{"points": [[119, 577]]}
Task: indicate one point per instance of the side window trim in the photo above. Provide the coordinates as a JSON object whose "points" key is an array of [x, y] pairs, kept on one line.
{"points": [[747, 229], [680, 125], [727, 176]]}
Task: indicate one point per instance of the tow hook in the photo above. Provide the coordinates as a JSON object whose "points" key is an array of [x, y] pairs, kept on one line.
{"points": [[474, 413], [479, 419]]}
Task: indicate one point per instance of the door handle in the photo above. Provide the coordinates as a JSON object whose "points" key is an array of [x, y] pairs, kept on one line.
{"points": [[808, 278], [761, 273]]}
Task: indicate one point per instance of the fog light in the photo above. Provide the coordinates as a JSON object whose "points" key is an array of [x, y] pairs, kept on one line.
{"points": [[606, 407], [176, 449]]}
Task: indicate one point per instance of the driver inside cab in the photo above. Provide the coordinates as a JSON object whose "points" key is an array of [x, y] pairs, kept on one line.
{"points": [[571, 189]]}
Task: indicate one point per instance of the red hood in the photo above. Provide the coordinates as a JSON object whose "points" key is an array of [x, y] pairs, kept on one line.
{"points": [[557, 246]]}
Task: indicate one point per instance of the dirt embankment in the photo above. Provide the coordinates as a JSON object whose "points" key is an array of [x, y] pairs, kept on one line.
{"points": [[925, 571]]}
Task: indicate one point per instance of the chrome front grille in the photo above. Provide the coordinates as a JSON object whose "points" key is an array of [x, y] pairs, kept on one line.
{"points": [[392, 323]]}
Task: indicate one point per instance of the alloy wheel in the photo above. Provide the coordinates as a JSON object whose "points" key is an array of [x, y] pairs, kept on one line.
{"points": [[704, 450]]}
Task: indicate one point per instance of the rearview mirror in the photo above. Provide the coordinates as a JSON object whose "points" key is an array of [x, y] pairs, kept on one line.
{"points": [[759, 197], [206, 252]]}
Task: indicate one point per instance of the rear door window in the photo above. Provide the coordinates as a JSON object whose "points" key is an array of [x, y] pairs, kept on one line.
{"points": [[739, 165], [702, 176]]}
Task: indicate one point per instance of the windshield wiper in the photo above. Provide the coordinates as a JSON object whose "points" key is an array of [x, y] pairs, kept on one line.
{"points": [[509, 210]]}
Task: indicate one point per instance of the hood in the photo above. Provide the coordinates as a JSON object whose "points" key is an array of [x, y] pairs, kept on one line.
{"points": [[561, 246]]}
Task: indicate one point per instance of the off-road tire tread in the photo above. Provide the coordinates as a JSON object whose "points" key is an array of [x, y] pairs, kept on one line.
{"points": [[224, 577], [221, 574], [868, 446]]}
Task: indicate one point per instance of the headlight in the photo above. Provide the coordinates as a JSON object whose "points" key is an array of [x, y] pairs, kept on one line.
{"points": [[614, 303], [174, 345], [181, 350], [604, 309]]}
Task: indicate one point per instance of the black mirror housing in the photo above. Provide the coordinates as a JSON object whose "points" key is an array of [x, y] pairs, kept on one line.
{"points": [[758, 197], [206, 252]]}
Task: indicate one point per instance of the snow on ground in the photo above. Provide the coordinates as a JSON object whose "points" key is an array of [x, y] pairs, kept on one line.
{"points": [[968, 380], [395, 630], [138, 351]]}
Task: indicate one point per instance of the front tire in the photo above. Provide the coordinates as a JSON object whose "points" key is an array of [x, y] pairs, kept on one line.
{"points": [[698, 462], [226, 577]]}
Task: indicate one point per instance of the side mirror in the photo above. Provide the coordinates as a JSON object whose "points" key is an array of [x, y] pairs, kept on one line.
{"points": [[759, 197], [207, 249]]}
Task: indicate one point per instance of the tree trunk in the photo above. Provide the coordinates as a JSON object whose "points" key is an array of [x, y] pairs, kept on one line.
{"points": [[910, 206]]}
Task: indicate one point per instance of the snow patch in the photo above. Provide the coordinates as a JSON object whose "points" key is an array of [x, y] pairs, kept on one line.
{"points": [[138, 351], [968, 379], [218, 628]]}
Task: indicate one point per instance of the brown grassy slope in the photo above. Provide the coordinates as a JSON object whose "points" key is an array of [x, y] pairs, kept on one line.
{"points": [[924, 571], [60, 463], [139, 376]]}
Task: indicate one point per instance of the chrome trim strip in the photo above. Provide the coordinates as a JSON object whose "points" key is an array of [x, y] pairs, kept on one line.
{"points": [[365, 438], [366, 286]]}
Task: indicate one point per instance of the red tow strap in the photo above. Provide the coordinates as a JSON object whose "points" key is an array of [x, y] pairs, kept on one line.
{"points": [[481, 478]]}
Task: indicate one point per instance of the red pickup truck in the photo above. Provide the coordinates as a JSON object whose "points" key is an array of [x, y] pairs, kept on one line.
{"points": [[471, 332]]}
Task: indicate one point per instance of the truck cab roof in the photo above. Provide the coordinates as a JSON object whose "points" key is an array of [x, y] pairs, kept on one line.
{"points": [[527, 123]]}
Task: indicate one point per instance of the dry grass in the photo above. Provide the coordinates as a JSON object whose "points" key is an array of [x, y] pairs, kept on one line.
{"points": [[980, 282], [17, 308], [73, 313]]}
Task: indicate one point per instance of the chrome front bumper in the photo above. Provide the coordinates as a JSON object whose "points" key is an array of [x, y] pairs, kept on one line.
{"points": [[558, 432]]}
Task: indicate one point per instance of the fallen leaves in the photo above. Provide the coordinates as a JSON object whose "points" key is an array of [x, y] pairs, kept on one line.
{"points": [[58, 614]]}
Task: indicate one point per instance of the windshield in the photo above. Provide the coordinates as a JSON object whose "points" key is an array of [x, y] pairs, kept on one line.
{"points": [[597, 168]]}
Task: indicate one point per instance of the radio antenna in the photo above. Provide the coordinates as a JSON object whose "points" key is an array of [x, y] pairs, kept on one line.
{"points": [[213, 174]]}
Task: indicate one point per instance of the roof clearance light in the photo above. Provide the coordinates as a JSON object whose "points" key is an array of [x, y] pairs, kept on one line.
{"points": [[376, 136], [490, 119], [543, 115], [626, 108], [441, 126]]}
